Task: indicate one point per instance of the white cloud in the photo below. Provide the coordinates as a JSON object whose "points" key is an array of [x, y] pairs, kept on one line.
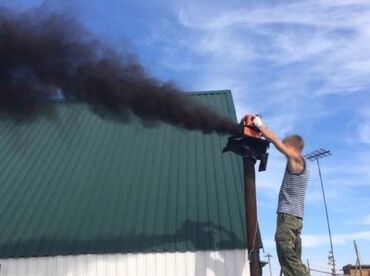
{"points": [[280, 60], [345, 2], [311, 241], [331, 38], [366, 220], [219, 45], [311, 13], [322, 240], [308, 13], [364, 130]]}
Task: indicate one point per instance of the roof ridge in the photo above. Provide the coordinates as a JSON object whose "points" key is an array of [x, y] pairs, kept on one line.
{"points": [[195, 93], [210, 92]]}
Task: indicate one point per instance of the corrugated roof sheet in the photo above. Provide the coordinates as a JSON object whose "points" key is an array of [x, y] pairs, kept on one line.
{"points": [[81, 184]]}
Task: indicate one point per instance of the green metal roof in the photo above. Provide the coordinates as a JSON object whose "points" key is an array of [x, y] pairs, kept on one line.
{"points": [[81, 184]]}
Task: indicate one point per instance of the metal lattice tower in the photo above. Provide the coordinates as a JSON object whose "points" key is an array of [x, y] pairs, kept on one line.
{"points": [[316, 156]]}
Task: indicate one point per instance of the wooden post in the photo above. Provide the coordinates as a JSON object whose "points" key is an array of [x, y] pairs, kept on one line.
{"points": [[253, 238]]}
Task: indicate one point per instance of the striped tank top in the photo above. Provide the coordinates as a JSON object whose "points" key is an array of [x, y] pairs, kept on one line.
{"points": [[293, 191]]}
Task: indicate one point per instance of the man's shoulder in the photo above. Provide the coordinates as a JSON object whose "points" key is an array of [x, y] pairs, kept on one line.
{"points": [[296, 165]]}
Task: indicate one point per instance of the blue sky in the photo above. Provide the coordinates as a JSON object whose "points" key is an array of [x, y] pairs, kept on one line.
{"points": [[305, 65]]}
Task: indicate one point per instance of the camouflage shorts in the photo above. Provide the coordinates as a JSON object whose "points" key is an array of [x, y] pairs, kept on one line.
{"points": [[289, 245]]}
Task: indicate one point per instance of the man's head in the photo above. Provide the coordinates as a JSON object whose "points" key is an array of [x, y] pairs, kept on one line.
{"points": [[294, 141]]}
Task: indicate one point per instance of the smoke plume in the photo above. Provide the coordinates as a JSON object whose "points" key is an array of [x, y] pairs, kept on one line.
{"points": [[44, 53]]}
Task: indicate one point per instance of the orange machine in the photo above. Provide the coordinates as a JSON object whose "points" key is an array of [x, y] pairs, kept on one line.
{"points": [[249, 128], [250, 143]]}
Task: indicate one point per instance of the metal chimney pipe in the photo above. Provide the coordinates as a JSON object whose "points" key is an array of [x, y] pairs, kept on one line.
{"points": [[253, 238]]}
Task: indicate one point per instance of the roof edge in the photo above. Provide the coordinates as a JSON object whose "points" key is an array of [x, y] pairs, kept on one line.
{"points": [[192, 93], [210, 92]]}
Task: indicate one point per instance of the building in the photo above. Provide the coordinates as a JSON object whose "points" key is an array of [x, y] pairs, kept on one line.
{"points": [[355, 270], [80, 195]]}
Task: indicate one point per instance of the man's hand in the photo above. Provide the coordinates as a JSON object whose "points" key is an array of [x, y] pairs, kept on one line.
{"points": [[257, 121]]}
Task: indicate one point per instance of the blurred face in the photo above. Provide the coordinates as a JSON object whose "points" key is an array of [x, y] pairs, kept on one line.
{"points": [[292, 143]]}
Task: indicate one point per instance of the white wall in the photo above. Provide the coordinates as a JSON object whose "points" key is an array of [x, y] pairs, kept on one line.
{"points": [[201, 263]]}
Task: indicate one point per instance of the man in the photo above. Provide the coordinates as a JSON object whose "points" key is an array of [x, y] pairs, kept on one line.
{"points": [[291, 201]]}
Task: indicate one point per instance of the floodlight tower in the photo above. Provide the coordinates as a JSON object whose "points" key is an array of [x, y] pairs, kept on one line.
{"points": [[269, 262], [315, 156], [358, 259]]}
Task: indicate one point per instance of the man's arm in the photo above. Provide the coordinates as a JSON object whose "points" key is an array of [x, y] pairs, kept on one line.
{"points": [[274, 139]]}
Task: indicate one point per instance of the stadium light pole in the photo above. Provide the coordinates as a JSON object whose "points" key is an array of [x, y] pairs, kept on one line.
{"points": [[316, 156], [269, 261]]}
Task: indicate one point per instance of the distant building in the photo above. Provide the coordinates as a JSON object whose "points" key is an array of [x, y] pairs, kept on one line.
{"points": [[80, 195], [355, 271]]}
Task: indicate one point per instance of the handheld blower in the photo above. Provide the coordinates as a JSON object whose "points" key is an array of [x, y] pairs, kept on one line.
{"points": [[250, 143]]}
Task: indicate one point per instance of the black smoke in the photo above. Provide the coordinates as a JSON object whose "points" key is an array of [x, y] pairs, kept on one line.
{"points": [[41, 53]]}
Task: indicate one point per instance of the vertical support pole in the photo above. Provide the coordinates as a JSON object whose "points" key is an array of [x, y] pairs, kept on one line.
{"points": [[251, 216], [331, 253], [269, 260], [358, 259]]}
